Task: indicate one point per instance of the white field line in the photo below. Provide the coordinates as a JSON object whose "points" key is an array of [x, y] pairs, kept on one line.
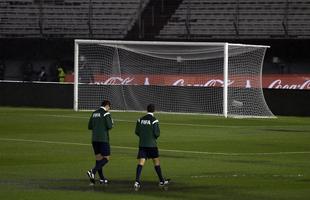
{"points": [[130, 121], [248, 175], [173, 124], [162, 150]]}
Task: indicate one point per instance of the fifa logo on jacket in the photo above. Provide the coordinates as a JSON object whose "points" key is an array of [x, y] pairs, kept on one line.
{"points": [[145, 122], [95, 115]]}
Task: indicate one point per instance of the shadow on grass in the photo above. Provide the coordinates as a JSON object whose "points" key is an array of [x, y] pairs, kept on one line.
{"points": [[286, 130], [125, 187], [305, 180]]}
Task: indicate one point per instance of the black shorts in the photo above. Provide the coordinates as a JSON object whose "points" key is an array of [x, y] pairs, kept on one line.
{"points": [[148, 152], [102, 148]]}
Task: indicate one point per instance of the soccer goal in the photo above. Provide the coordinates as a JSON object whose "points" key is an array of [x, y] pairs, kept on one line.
{"points": [[180, 77]]}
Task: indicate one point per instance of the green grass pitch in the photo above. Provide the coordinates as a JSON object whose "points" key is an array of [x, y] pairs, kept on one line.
{"points": [[45, 153]]}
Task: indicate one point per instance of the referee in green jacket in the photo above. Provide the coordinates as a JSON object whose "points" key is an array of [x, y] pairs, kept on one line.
{"points": [[100, 123], [147, 129]]}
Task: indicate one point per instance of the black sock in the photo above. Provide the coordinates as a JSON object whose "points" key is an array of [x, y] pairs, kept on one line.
{"points": [[158, 171], [99, 165], [138, 172], [101, 174]]}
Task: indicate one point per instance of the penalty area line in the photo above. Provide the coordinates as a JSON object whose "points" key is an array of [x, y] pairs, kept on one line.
{"points": [[162, 150]]}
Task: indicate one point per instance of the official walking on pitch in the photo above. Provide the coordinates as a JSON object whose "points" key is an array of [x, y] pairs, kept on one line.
{"points": [[147, 129], [100, 123]]}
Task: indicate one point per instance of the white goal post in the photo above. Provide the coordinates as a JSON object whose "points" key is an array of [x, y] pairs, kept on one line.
{"points": [[180, 77]]}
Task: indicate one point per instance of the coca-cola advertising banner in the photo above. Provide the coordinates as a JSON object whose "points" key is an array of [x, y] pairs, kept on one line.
{"points": [[289, 81], [272, 81]]}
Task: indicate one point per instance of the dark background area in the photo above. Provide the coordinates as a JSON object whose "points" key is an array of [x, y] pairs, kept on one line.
{"points": [[42, 33]]}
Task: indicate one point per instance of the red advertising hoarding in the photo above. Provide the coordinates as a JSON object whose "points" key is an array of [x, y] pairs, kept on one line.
{"points": [[272, 81]]}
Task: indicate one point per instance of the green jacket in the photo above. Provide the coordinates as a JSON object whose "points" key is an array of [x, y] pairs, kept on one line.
{"points": [[147, 129], [100, 123]]}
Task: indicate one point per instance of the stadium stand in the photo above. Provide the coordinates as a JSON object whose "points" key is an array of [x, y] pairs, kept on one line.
{"points": [[205, 18], [299, 18], [68, 18], [245, 19], [187, 19], [152, 19], [19, 17]]}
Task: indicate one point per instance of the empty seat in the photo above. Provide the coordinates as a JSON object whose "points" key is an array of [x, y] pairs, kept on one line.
{"points": [[70, 18], [243, 18]]}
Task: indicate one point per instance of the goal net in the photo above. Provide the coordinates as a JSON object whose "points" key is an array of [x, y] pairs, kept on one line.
{"points": [[183, 77]]}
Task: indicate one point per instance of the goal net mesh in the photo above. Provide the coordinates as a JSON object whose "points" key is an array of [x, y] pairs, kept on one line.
{"points": [[181, 78]]}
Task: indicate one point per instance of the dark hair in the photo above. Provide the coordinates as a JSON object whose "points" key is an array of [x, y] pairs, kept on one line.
{"points": [[150, 108], [106, 102]]}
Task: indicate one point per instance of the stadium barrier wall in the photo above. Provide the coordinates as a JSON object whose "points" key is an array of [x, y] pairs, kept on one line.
{"points": [[55, 95], [27, 94], [288, 102]]}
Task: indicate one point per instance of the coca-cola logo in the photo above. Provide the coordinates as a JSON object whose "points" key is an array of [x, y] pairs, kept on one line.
{"points": [[116, 80], [297, 83], [210, 83], [277, 84]]}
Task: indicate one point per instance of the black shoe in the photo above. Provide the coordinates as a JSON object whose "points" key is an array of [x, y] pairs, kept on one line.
{"points": [[164, 183], [91, 177]]}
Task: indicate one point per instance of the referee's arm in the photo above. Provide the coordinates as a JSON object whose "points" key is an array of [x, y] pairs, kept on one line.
{"points": [[137, 128], [109, 122], [90, 123], [156, 130]]}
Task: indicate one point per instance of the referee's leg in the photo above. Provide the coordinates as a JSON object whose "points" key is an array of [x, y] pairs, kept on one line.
{"points": [[156, 162], [141, 161], [140, 165], [102, 158]]}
